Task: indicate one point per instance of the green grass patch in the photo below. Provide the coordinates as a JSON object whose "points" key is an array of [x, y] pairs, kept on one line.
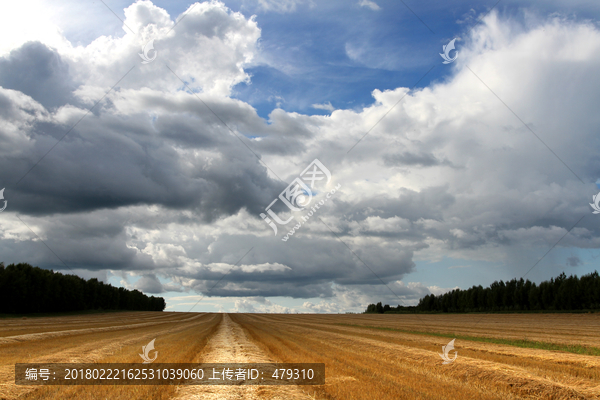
{"points": [[525, 343]]}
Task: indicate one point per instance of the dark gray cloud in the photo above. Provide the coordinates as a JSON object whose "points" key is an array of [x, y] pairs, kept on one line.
{"points": [[106, 162], [312, 267], [429, 203], [149, 283], [573, 261], [39, 72], [95, 241], [413, 159]]}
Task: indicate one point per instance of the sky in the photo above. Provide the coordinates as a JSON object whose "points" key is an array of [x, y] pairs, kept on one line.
{"points": [[162, 146]]}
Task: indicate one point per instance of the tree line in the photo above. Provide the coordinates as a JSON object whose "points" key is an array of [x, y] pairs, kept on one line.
{"points": [[560, 293], [28, 289], [381, 309]]}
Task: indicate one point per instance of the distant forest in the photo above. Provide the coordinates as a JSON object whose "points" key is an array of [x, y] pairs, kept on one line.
{"points": [[560, 293], [26, 289]]}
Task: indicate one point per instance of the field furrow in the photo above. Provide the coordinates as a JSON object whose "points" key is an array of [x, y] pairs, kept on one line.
{"points": [[231, 345], [370, 357], [479, 372], [121, 344]]}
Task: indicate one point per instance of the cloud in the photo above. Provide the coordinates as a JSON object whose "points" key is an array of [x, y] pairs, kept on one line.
{"points": [[369, 4], [151, 183], [135, 144], [573, 261], [260, 305], [459, 266], [356, 298], [438, 290], [208, 50], [281, 6], [413, 159], [38, 72], [149, 284], [325, 106], [323, 308], [30, 21]]}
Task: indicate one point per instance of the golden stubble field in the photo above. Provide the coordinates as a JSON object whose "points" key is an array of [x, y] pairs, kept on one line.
{"points": [[366, 356]]}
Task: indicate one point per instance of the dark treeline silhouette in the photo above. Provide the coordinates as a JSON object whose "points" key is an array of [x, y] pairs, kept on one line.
{"points": [[560, 293], [27, 289], [380, 309]]}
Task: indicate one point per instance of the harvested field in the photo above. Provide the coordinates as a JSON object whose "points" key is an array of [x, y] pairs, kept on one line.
{"points": [[366, 356], [366, 363], [180, 337], [231, 344]]}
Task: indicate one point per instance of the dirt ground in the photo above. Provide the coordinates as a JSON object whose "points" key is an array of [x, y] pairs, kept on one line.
{"points": [[231, 345]]}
